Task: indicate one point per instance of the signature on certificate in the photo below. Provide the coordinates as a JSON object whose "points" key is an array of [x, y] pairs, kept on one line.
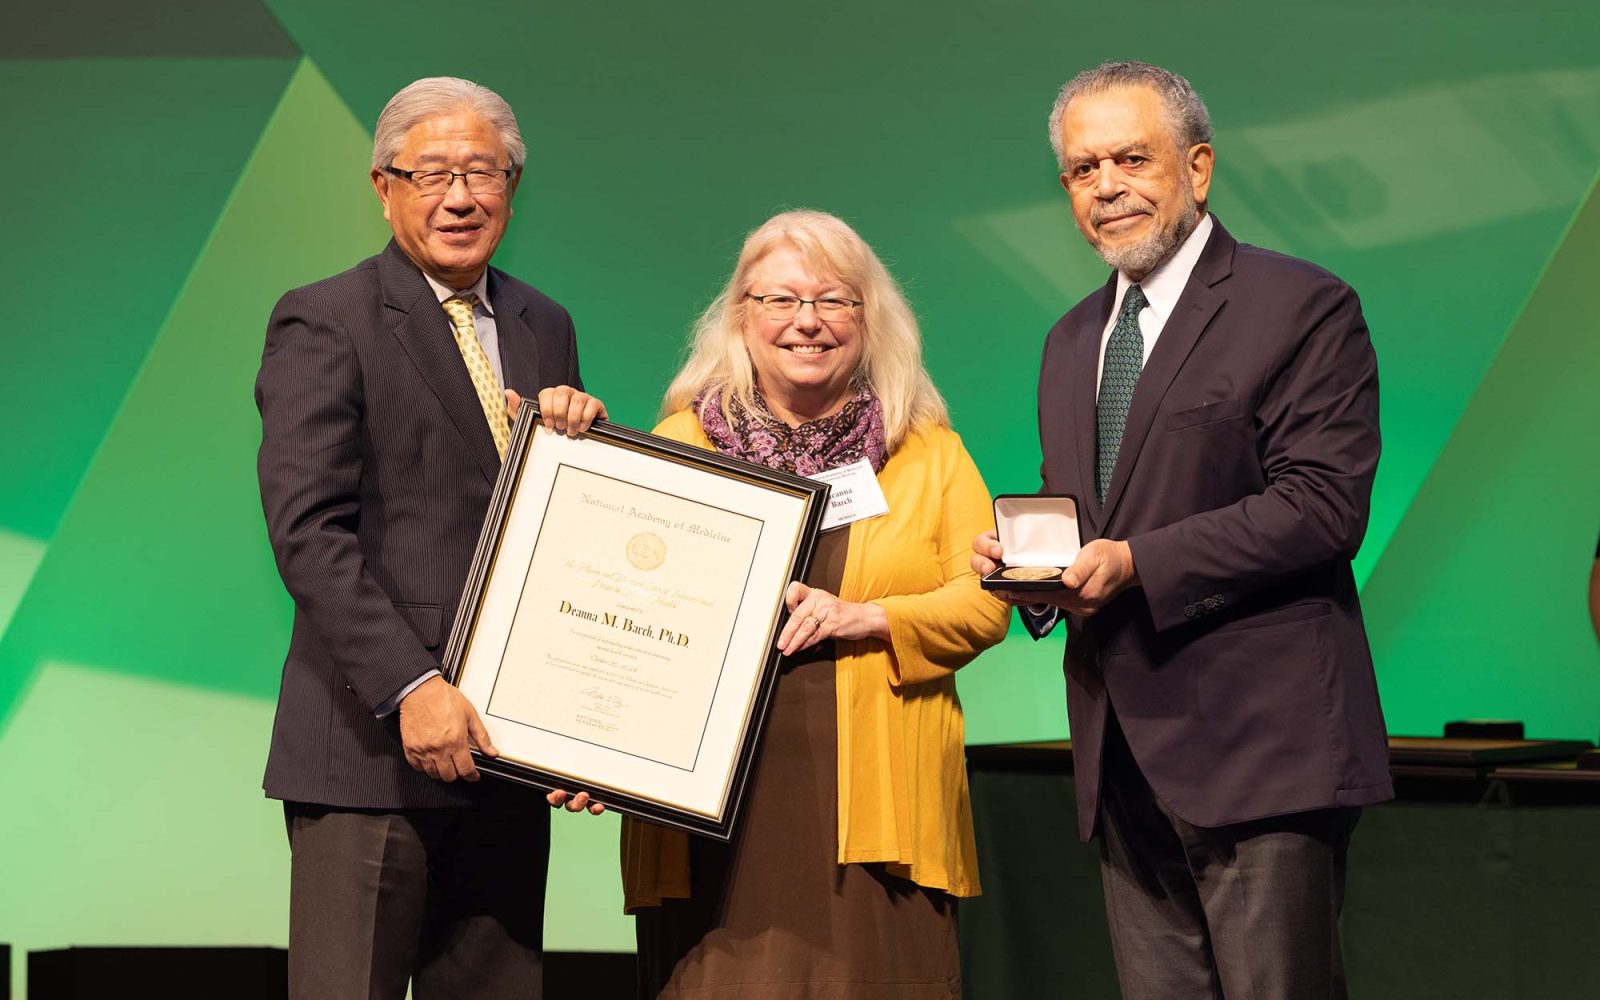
{"points": [[602, 701]]}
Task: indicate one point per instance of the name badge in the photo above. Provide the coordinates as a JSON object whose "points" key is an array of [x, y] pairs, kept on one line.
{"points": [[855, 496]]}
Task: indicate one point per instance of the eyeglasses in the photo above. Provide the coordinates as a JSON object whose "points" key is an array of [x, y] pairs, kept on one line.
{"points": [[436, 182], [785, 306]]}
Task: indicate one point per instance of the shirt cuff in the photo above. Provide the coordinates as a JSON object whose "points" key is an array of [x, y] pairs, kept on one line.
{"points": [[1039, 619], [394, 702]]}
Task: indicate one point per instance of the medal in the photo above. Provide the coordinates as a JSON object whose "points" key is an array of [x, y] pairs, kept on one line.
{"points": [[1030, 573]]}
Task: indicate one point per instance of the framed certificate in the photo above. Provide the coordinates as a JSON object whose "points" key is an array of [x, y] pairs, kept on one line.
{"points": [[616, 633]]}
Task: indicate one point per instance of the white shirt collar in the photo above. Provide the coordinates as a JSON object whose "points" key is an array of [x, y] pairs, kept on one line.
{"points": [[479, 288], [1163, 285]]}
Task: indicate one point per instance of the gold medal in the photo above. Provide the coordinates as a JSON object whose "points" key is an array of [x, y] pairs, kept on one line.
{"points": [[1030, 573]]}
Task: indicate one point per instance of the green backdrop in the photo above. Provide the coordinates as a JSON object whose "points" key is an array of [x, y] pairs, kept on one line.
{"points": [[176, 167]]}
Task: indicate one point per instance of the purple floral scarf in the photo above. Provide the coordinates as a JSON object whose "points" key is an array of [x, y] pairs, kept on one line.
{"points": [[854, 433]]}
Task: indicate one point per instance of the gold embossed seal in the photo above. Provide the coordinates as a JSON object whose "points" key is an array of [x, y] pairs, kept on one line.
{"points": [[646, 550]]}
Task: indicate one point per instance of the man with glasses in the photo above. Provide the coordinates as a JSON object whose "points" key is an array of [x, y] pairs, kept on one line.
{"points": [[384, 422]]}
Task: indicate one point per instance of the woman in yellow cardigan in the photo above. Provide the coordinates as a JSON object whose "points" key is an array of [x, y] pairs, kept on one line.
{"points": [[855, 836]]}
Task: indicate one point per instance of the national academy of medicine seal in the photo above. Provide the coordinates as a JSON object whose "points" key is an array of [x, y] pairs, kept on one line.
{"points": [[646, 550]]}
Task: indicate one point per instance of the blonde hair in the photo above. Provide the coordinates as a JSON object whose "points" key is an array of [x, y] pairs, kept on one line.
{"points": [[891, 355]]}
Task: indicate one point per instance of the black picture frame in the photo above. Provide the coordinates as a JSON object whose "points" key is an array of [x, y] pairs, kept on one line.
{"points": [[504, 559]]}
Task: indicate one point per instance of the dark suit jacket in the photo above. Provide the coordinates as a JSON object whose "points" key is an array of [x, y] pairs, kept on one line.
{"points": [[376, 466], [1239, 670]]}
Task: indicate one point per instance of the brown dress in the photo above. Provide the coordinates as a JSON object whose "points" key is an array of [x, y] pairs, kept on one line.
{"points": [[773, 915]]}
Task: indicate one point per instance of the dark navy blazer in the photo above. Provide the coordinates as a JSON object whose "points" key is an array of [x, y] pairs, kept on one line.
{"points": [[1239, 670], [376, 467]]}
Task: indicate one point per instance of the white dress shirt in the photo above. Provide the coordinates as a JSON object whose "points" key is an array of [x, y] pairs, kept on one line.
{"points": [[1161, 290]]}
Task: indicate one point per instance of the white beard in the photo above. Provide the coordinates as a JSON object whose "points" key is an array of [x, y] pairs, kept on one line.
{"points": [[1145, 256]]}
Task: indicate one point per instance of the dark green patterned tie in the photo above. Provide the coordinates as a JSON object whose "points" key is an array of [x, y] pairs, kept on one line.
{"points": [[1118, 377]]}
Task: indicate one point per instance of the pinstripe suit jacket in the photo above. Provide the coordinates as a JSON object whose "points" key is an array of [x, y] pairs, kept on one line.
{"points": [[376, 466]]}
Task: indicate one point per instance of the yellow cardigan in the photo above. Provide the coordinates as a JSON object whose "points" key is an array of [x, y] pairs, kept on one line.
{"points": [[902, 770]]}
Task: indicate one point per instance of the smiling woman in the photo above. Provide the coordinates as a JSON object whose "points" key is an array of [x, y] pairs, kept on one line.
{"points": [[854, 841], [805, 350], [847, 328]]}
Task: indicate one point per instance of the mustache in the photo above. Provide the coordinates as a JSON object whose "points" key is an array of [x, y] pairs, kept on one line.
{"points": [[1122, 206]]}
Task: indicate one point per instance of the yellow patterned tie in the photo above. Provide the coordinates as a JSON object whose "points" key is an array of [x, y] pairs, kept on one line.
{"points": [[490, 397]]}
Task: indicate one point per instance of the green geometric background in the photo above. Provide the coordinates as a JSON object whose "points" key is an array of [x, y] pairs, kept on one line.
{"points": [[174, 173]]}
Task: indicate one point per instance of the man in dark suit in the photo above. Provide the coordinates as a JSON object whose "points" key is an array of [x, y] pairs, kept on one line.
{"points": [[1214, 408], [383, 425]]}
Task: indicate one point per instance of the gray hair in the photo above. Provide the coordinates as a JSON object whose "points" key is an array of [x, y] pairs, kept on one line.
{"points": [[1187, 116], [438, 95]]}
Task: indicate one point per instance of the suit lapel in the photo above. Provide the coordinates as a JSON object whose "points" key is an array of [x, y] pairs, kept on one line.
{"points": [[423, 329], [519, 353], [1196, 307], [1085, 379]]}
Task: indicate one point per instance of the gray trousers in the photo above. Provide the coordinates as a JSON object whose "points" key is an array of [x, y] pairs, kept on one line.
{"points": [[450, 901], [1242, 912]]}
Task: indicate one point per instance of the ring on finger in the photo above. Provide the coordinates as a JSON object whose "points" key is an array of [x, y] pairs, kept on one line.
{"points": [[815, 621]]}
